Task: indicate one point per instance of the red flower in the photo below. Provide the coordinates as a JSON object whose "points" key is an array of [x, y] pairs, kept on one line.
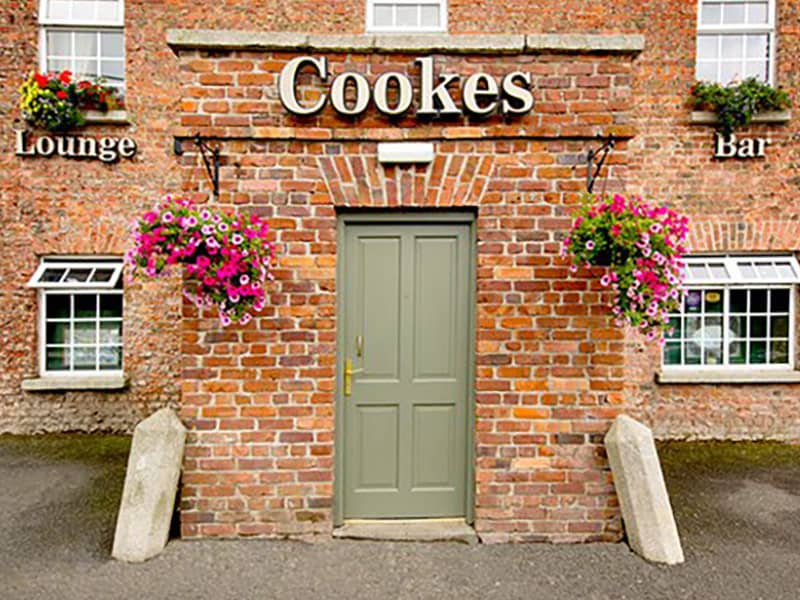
{"points": [[85, 84], [65, 76], [41, 80], [61, 94]]}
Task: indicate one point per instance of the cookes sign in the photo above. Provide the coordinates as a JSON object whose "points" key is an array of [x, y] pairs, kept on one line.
{"points": [[480, 93]]}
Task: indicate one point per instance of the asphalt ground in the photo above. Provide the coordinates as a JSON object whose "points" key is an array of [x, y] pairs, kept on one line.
{"points": [[737, 507]]}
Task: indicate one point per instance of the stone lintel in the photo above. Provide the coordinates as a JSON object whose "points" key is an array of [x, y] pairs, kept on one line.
{"points": [[217, 39]]}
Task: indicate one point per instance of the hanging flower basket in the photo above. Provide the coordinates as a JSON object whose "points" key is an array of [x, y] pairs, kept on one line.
{"points": [[227, 256], [641, 246], [55, 102]]}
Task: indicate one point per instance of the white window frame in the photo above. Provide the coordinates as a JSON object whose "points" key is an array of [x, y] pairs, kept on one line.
{"points": [[370, 28], [78, 25], [768, 28], [737, 280], [46, 289]]}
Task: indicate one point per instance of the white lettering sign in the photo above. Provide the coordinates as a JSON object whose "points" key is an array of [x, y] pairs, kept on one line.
{"points": [[729, 146], [104, 149], [393, 94]]}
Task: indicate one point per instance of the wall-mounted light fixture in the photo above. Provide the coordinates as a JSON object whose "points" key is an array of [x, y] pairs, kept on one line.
{"points": [[405, 152]]}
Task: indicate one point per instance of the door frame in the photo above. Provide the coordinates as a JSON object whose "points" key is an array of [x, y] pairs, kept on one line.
{"points": [[404, 217]]}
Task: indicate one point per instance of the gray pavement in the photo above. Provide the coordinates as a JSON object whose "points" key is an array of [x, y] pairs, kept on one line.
{"points": [[740, 529]]}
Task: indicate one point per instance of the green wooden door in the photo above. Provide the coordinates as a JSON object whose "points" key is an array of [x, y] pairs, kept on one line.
{"points": [[406, 324]]}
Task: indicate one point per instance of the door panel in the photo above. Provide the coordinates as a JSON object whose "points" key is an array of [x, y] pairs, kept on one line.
{"points": [[405, 295]]}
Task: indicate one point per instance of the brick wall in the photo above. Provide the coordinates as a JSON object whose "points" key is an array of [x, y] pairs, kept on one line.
{"points": [[278, 414]]}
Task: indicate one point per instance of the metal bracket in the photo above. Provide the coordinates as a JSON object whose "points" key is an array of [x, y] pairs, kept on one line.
{"points": [[593, 170], [210, 158]]}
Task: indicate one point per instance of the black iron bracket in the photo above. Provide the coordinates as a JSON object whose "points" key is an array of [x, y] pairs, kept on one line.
{"points": [[210, 158], [593, 164]]}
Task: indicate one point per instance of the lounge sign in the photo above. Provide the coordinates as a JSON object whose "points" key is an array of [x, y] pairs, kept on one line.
{"points": [[104, 149], [392, 93]]}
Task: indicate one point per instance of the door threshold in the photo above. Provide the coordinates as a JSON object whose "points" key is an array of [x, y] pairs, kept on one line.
{"points": [[407, 530]]}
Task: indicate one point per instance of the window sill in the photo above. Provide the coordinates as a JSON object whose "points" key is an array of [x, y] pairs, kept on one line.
{"points": [[703, 117], [751, 376], [112, 117], [52, 383]]}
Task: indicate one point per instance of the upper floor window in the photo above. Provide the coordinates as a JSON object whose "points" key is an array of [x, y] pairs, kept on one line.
{"points": [[85, 37], [735, 40], [401, 16], [739, 311], [80, 316]]}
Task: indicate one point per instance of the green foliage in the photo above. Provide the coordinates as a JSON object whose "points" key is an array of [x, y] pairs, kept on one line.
{"points": [[736, 103]]}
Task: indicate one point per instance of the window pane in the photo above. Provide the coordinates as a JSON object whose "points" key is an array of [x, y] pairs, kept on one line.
{"points": [[693, 325], [430, 16], [58, 9], [718, 271], [697, 272], [779, 327], [766, 271], [84, 358], [730, 71], [779, 351], [111, 332], [85, 306], [86, 44], [779, 301], [112, 70], [757, 69], [111, 305], [383, 15], [693, 301], [756, 46], [692, 351], [758, 301], [108, 10], [407, 15], [713, 352], [675, 326], [748, 271], [672, 353], [711, 13], [57, 333], [758, 353], [83, 10], [56, 66], [713, 300], [732, 46], [757, 13], [736, 352], [739, 326], [733, 14], [57, 359], [707, 47], [785, 270], [86, 68], [706, 71], [51, 275], [57, 306], [112, 45], [77, 275], [58, 43], [85, 333], [110, 357], [102, 275], [712, 327], [758, 327], [738, 301]]}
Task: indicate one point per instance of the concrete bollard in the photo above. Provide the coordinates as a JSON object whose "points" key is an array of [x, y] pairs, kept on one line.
{"points": [[151, 484], [646, 511]]}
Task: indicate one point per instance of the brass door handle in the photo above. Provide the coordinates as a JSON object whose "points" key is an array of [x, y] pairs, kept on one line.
{"points": [[349, 371]]}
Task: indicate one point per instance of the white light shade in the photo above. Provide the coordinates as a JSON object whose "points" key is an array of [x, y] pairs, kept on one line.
{"points": [[405, 152]]}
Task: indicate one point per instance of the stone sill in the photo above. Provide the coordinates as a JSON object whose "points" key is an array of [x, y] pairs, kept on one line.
{"points": [[81, 382], [750, 376], [112, 117], [212, 39], [704, 117]]}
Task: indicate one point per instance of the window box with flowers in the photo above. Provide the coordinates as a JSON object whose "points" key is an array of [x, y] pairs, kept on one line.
{"points": [[56, 102], [738, 104]]}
